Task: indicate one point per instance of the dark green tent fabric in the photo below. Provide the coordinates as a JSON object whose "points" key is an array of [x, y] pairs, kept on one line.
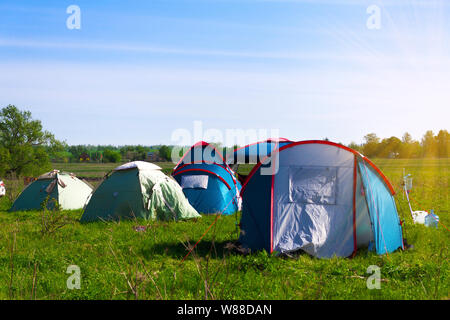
{"points": [[138, 192], [118, 196], [34, 195], [69, 192]]}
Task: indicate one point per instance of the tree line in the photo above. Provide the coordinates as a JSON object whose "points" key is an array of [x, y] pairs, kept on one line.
{"points": [[109, 153], [430, 146], [26, 149]]}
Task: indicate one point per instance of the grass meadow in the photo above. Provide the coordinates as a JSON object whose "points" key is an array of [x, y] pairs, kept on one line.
{"points": [[117, 260]]}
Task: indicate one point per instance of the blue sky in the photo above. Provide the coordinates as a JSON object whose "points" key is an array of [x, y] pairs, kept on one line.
{"points": [[137, 71]]}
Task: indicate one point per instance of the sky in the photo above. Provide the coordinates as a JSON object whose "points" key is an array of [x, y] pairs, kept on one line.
{"points": [[148, 72]]}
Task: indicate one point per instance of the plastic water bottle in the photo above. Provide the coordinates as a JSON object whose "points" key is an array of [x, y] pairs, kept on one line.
{"points": [[431, 220]]}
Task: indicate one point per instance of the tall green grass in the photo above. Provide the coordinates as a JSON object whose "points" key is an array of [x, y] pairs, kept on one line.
{"points": [[117, 260]]}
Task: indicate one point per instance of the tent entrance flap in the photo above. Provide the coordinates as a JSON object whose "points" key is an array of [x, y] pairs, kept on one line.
{"points": [[387, 232], [310, 213]]}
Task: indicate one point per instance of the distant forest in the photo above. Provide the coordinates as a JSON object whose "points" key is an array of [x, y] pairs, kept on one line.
{"points": [[26, 149], [110, 153], [430, 146]]}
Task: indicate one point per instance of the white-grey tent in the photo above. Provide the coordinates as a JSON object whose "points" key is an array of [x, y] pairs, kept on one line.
{"points": [[321, 197]]}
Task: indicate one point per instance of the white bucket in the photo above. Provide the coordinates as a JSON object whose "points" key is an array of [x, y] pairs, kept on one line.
{"points": [[419, 216]]}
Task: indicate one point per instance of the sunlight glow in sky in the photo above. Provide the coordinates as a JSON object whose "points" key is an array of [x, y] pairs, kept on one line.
{"points": [[312, 69]]}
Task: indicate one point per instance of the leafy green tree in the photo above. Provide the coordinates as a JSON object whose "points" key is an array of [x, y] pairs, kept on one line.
{"points": [[409, 147], [25, 147], [76, 152], [429, 145], [389, 148], [353, 145], [5, 158], [165, 152], [407, 138], [134, 153], [112, 156], [443, 144], [371, 144]]}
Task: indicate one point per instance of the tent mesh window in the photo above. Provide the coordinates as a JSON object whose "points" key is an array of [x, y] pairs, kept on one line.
{"points": [[312, 185], [194, 181]]}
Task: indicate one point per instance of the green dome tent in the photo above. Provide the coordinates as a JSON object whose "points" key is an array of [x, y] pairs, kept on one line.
{"points": [[70, 192], [138, 190]]}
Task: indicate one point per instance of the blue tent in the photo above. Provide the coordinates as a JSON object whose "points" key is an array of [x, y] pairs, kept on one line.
{"points": [[253, 154], [320, 197], [207, 181]]}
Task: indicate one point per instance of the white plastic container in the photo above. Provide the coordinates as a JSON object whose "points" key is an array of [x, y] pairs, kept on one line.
{"points": [[2, 189], [419, 216]]}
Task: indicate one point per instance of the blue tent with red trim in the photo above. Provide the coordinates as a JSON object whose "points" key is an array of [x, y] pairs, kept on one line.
{"points": [[207, 181], [255, 152], [320, 197]]}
